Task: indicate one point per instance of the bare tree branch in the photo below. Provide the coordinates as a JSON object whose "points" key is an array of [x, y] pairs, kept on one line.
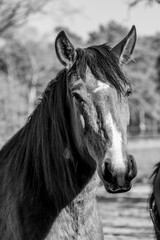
{"points": [[13, 13], [133, 3]]}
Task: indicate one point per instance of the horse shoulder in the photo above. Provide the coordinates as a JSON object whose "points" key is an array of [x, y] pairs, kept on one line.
{"points": [[79, 220]]}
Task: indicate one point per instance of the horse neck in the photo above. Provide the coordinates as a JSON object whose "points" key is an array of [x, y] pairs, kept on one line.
{"points": [[64, 177], [36, 153]]}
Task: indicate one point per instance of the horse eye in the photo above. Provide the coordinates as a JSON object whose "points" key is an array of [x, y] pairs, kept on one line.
{"points": [[128, 92], [77, 97]]}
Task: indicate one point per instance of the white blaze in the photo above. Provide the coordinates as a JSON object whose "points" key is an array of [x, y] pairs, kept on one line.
{"points": [[101, 86], [116, 148]]}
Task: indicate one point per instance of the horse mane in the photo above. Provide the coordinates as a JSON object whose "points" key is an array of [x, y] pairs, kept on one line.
{"points": [[47, 119], [103, 65], [155, 215], [34, 170]]}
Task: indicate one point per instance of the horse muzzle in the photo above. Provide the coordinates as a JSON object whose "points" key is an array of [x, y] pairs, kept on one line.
{"points": [[118, 179]]}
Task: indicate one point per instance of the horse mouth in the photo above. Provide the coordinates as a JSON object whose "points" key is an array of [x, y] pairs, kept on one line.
{"points": [[114, 189]]}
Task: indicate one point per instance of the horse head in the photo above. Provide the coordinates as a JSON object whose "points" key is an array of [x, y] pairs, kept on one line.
{"points": [[99, 92]]}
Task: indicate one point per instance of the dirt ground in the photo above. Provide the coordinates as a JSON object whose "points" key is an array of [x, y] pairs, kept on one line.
{"points": [[126, 216]]}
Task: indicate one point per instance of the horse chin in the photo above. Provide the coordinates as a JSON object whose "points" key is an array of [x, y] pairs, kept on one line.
{"points": [[116, 189]]}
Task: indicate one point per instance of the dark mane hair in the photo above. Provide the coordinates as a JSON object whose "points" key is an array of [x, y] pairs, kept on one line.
{"points": [[103, 65], [153, 207], [33, 167]]}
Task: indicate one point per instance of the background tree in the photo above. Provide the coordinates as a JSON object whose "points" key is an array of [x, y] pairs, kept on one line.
{"points": [[111, 34], [26, 66], [133, 3], [14, 13]]}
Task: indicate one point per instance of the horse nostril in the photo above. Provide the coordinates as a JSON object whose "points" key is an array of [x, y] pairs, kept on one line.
{"points": [[133, 168], [107, 175]]}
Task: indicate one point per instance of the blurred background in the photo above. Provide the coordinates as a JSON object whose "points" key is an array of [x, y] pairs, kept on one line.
{"points": [[28, 62]]}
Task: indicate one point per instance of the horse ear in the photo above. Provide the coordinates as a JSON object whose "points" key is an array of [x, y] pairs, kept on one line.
{"points": [[65, 50], [123, 50]]}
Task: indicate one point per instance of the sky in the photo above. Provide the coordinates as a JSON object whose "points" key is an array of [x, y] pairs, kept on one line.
{"points": [[84, 16]]}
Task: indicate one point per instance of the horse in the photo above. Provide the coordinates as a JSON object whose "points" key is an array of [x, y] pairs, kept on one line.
{"points": [[76, 135], [154, 201]]}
